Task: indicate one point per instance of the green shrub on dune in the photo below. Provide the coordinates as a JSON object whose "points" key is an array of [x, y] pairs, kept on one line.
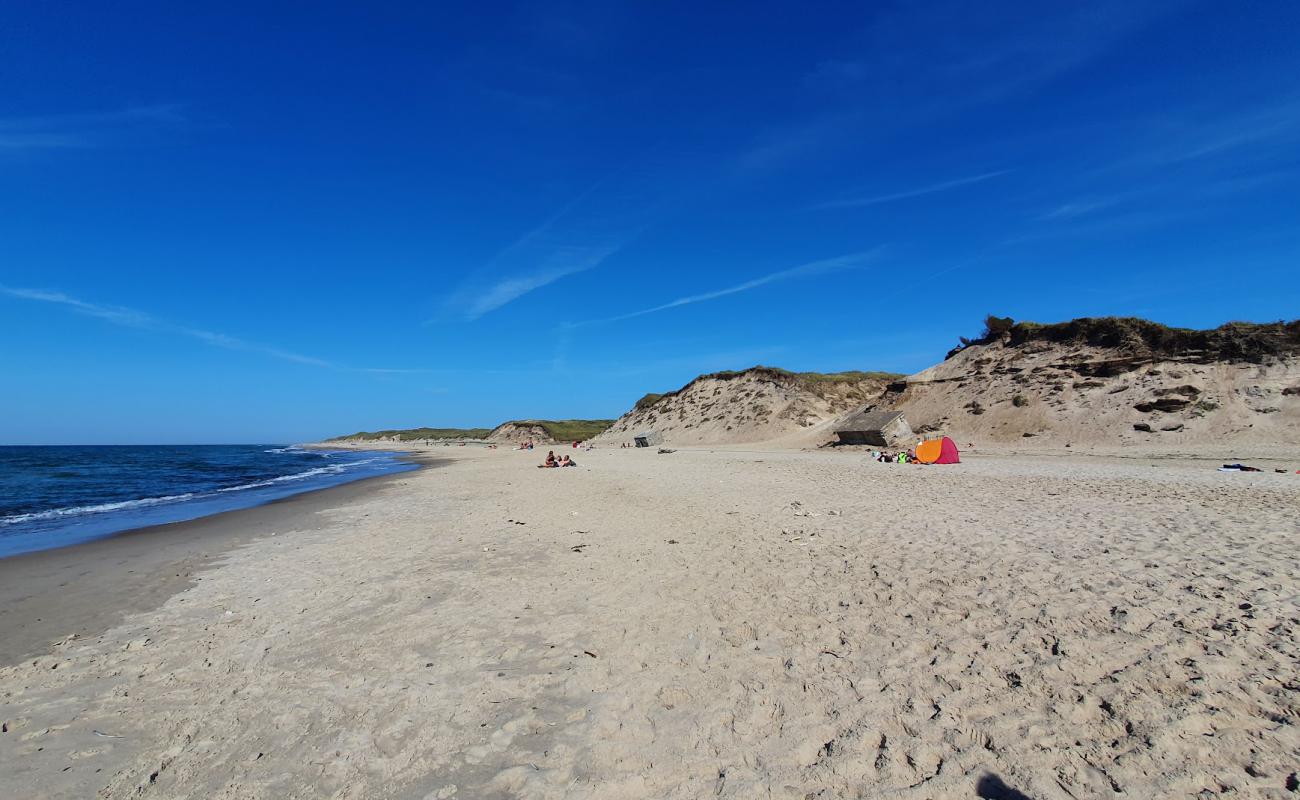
{"points": [[1233, 341], [567, 430], [648, 401], [414, 434]]}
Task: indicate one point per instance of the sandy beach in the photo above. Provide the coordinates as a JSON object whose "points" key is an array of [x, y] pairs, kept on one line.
{"points": [[86, 589], [724, 623]]}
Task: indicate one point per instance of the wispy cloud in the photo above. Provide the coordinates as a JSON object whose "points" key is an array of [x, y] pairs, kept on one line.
{"points": [[115, 314], [921, 72], [131, 318], [921, 191], [1101, 226], [1207, 138], [1182, 160], [813, 268], [579, 236], [65, 131], [560, 263], [12, 141], [691, 365], [1078, 208], [837, 73], [900, 72], [778, 147], [1251, 130]]}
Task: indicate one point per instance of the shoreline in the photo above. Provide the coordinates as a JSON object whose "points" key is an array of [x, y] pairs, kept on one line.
{"points": [[84, 521], [82, 590]]}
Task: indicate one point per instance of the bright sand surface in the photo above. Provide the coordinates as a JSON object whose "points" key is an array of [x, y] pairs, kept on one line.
{"points": [[704, 624]]}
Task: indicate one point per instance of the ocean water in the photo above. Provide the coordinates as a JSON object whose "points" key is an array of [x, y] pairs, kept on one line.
{"points": [[56, 496]]}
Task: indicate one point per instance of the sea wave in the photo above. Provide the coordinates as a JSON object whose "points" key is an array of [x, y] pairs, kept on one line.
{"points": [[56, 513], [59, 513], [333, 469]]}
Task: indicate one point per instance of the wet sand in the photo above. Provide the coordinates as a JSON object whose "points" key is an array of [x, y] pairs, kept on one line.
{"points": [[82, 590]]}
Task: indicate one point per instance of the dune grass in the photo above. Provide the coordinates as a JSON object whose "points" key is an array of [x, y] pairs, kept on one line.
{"points": [[815, 382], [567, 430], [414, 434], [849, 376], [648, 401], [1234, 341]]}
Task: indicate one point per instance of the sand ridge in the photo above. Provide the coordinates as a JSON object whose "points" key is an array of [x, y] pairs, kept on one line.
{"points": [[732, 624], [1093, 398], [759, 404], [1010, 391]]}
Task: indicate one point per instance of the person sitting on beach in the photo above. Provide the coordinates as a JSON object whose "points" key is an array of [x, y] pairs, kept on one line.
{"points": [[550, 461], [568, 462]]}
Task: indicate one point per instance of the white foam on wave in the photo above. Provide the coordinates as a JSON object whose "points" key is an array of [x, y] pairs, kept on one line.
{"points": [[333, 469], [298, 476], [98, 509], [57, 513]]}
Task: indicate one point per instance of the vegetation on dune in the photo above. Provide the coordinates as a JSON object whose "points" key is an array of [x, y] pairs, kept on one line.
{"points": [[414, 434], [816, 382], [569, 430], [647, 401], [776, 373], [1234, 341], [849, 376], [565, 430]]}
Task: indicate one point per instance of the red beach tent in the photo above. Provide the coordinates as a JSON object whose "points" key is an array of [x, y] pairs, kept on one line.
{"points": [[938, 451]]}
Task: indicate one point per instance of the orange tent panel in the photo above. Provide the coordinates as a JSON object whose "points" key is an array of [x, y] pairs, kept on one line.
{"points": [[938, 451], [928, 452]]}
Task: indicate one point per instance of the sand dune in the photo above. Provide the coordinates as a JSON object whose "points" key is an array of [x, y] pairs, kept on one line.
{"points": [[1106, 385], [727, 624], [1095, 397], [759, 404]]}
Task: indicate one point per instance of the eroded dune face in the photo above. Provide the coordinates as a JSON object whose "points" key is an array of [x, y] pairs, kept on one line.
{"points": [[1090, 396], [1101, 384], [516, 433], [542, 431], [755, 405]]}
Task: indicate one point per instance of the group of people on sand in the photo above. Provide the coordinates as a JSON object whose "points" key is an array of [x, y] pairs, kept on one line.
{"points": [[576, 444], [902, 457], [552, 461]]}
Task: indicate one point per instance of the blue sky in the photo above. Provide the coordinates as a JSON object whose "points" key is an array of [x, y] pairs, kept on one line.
{"points": [[244, 223]]}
